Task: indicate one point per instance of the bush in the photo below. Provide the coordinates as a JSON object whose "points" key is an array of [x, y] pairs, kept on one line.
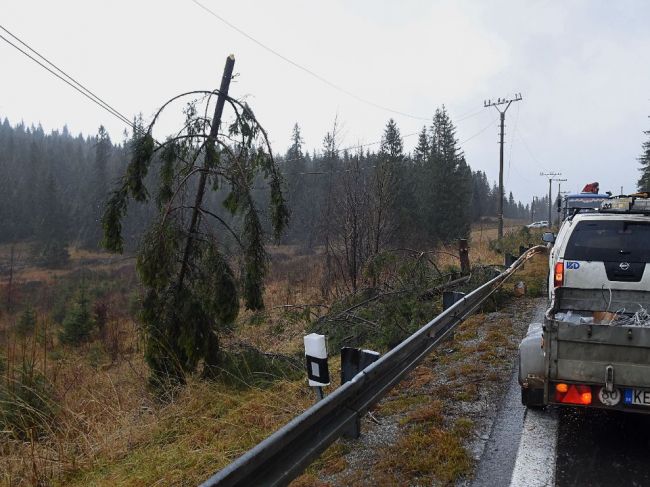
{"points": [[27, 406], [26, 323], [78, 323], [245, 366]]}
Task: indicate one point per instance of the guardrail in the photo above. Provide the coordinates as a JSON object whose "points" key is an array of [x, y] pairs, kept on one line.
{"points": [[286, 453]]}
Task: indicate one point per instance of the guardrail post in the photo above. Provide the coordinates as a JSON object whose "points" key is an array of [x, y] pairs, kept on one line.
{"points": [[353, 361], [449, 298], [463, 253]]}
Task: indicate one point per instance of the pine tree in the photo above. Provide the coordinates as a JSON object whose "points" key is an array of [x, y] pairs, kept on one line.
{"points": [[91, 231], [386, 194], [192, 292], [644, 181], [294, 168], [451, 185], [423, 149], [78, 323]]}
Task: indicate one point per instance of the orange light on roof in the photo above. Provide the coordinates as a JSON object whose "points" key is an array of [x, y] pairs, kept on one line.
{"points": [[573, 394], [558, 274]]}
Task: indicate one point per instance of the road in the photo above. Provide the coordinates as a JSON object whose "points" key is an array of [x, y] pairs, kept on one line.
{"points": [[563, 447]]}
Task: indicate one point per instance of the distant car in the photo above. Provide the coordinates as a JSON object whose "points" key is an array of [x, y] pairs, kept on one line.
{"points": [[542, 224]]}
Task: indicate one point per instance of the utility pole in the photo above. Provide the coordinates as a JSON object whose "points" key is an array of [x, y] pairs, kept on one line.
{"points": [[210, 154], [502, 115], [551, 177]]}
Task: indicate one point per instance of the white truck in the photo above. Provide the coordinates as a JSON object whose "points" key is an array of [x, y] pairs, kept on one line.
{"points": [[593, 348]]}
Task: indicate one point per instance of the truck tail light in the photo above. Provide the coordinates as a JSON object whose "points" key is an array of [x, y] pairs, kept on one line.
{"points": [[558, 274], [573, 394]]}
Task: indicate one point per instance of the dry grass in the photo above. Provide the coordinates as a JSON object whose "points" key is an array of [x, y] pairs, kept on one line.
{"points": [[110, 431], [438, 406]]}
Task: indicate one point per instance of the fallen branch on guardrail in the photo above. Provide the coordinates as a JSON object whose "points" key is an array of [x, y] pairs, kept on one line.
{"points": [[287, 452]]}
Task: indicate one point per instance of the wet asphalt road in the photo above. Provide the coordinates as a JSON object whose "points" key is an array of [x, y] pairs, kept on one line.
{"points": [[602, 448], [594, 447], [500, 454]]}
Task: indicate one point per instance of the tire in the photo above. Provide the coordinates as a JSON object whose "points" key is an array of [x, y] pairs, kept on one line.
{"points": [[532, 398]]}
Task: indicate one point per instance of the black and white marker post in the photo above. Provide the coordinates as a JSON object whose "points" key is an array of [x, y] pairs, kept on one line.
{"points": [[316, 359]]}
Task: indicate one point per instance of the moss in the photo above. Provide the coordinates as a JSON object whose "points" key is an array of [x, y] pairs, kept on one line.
{"points": [[426, 453]]}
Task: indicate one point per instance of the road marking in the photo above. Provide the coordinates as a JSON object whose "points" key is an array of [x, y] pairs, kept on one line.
{"points": [[535, 464]]}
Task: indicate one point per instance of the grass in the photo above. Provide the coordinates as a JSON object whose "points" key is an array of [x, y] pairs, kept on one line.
{"points": [[206, 427], [426, 453], [435, 426], [111, 431]]}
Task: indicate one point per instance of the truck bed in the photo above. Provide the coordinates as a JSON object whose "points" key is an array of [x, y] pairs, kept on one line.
{"points": [[582, 352]]}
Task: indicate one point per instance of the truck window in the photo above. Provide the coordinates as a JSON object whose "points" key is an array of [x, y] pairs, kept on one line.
{"points": [[609, 241]]}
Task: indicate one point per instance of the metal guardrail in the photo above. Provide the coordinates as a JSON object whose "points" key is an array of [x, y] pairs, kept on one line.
{"points": [[286, 453]]}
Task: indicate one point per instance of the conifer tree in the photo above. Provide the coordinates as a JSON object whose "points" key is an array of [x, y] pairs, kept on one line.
{"points": [[644, 181], [423, 149], [192, 292], [450, 185], [386, 194]]}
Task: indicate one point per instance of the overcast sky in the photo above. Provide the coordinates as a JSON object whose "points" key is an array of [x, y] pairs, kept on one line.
{"points": [[581, 66]]}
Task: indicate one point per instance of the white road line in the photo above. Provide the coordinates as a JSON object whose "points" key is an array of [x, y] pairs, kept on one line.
{"points": [[535, 464]]}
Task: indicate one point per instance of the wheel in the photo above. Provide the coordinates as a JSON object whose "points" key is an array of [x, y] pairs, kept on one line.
{"points": [[532, 398]]}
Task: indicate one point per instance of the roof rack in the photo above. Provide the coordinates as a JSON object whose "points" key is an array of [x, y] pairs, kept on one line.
{"points": [[637, 203]]}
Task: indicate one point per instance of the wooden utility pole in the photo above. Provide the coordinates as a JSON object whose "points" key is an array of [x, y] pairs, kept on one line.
{"points": [[207, 162], [463, 254], [502, 115], [551, 177]]}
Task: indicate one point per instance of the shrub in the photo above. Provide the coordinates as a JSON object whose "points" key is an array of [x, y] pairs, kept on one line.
{"points": [[78, 323], [244, 366], [26, 322], [27, 405]]}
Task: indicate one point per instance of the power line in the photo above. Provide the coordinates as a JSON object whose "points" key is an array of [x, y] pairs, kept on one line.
{"points": [[477, 133], [512, 144], [69, 81], [530, 153], [304, 69]]}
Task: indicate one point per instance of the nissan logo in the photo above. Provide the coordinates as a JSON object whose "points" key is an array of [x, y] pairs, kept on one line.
{"points": [[624, 266]]}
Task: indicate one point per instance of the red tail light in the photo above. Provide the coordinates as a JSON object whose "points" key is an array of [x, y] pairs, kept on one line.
{"points": [[573, 394], [558, 279]]}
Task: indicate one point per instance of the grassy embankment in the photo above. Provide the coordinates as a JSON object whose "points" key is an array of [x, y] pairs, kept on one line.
{"points": [[100, 425]]}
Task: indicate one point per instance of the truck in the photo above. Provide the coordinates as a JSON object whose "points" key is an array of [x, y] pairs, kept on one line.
{"points": [[593, 347], [573, 203]]}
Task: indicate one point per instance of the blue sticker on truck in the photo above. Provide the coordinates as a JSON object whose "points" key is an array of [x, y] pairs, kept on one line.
{"points": [[573, 265]]}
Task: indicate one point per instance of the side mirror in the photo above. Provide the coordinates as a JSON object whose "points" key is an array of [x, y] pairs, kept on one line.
{"points": [[548, 237]]}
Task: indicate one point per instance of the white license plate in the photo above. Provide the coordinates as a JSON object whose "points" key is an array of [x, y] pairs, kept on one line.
{"points": [[637, 397]]}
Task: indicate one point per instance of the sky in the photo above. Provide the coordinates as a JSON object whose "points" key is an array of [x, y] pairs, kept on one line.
{"points": [[581, 66]]}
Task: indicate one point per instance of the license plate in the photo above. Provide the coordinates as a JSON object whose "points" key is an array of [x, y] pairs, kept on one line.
{"points": [[637, 397]]}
